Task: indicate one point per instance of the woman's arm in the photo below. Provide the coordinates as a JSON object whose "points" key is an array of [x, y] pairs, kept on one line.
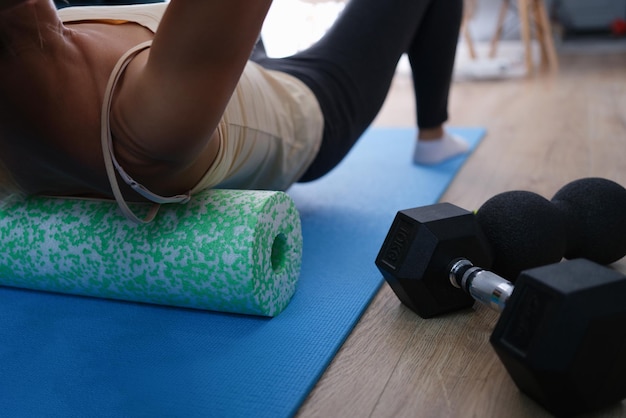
{"points": [[171, 102]]}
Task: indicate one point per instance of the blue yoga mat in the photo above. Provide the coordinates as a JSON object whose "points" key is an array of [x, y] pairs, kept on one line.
{"points": [[68, 356]]}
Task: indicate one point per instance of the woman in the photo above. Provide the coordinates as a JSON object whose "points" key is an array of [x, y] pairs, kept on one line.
{"points": [[171, 98]]}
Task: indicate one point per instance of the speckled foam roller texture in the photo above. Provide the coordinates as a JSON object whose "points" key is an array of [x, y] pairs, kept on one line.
{"points": [[225, 250]]}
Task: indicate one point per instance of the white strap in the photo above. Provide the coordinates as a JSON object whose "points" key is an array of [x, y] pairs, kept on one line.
{"points": [[110, 162]]}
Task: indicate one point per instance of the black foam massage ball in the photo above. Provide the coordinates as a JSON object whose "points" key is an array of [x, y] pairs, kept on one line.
{"points": [[595, 212], [524, 230]]}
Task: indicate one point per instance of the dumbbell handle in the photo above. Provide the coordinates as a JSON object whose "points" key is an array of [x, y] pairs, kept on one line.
{"points": [[484, 286]]}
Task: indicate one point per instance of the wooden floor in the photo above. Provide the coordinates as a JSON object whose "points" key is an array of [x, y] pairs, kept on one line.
{"points": [[542, 133]]}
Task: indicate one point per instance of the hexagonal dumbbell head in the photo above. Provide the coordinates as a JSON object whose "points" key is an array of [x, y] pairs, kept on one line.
{"points": [[562, 336], [416, 256]]}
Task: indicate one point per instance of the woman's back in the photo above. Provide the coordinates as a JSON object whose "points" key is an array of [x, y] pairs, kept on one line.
{"points": [[52, 80]]}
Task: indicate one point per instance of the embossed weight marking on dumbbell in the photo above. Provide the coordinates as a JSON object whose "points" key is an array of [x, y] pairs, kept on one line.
{"points": [[401, 235]]}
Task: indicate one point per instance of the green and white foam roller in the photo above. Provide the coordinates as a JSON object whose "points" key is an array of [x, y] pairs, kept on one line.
{"points": [[225, 250]]}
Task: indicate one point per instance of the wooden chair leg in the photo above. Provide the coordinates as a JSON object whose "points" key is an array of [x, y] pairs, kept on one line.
{"points": [[469, 6], [524, 17], [469, 41], [539, 30], [504, 8], [544, 35]]}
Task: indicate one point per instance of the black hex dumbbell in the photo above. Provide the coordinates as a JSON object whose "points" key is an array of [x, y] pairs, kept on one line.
{"points": [[562, 332], [416, 257]]}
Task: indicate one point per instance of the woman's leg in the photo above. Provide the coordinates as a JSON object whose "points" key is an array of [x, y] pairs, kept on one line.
{"points": [[351, 68], [431, 56]]}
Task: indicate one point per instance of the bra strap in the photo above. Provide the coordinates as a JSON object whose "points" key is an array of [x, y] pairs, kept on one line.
{"points": [[111, 164]]}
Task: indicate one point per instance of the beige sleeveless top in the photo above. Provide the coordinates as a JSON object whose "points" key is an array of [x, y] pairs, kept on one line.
{"points": [[269, 134]]}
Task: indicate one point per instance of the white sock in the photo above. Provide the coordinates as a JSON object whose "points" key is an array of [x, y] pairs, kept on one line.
{"points": [[435, 151]]}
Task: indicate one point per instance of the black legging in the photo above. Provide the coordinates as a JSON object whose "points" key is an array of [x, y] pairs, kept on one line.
{"points": [[351, 68]]}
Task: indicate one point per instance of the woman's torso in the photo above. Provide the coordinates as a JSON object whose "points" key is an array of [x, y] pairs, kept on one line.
{"points": [[271, 129]]}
